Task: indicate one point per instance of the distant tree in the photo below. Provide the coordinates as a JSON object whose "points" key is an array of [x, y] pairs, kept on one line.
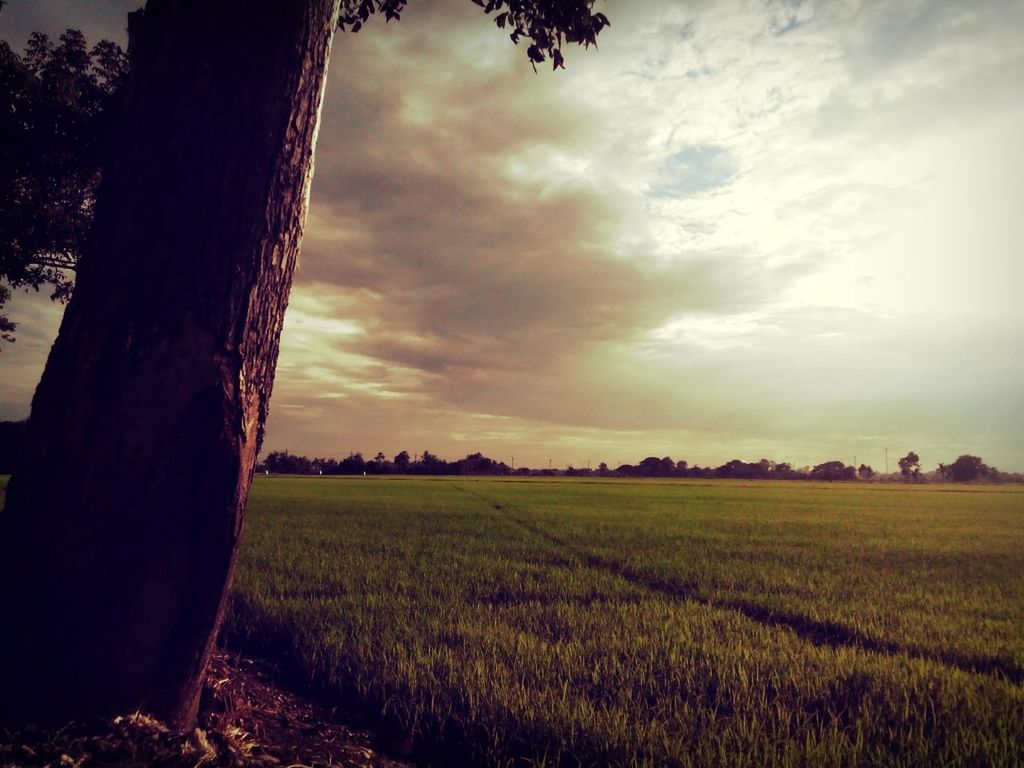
{"points": [[329, 466], [474, 464], [429, 464], [602, 469], [865, 472], [285, 463], [401, 461], [744, 470], [652, 466], [967, 468], [910, 466], [783, 470], [55, 116], [833, 470], [379, 465], [353, 464], [731, 468], [681, 467], [271, 462]]}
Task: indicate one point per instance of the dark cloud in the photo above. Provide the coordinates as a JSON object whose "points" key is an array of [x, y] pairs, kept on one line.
{"points": [[457, 257]]}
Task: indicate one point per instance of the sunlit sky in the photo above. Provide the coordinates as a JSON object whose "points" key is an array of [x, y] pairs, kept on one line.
{"points": [[788, 230]]}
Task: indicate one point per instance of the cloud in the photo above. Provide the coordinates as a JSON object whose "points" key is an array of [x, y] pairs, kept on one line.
{"points": [[461, 258], [690, 233]]}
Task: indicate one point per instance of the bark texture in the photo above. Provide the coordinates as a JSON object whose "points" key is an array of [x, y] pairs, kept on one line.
{"points": [[120, 529]]}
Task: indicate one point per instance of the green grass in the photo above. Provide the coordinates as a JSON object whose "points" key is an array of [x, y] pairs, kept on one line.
{"points": [[649, 623]]}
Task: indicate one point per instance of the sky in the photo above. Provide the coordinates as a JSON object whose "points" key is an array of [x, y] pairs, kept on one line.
{"points": [[738, 229]]}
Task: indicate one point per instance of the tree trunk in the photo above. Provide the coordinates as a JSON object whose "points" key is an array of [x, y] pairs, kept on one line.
{"points": [[120, 529]]}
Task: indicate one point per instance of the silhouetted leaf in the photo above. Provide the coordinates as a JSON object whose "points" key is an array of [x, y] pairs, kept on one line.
{"points": [[546, 23]]}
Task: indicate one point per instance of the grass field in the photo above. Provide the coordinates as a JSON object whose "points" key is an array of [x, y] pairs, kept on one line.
{"points": [[650, 623]]}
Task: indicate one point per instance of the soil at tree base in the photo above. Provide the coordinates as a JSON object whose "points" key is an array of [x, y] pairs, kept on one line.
{"points": [[250, 716]]}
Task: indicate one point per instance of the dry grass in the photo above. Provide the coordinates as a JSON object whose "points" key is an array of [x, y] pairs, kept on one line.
{"points": [[247, 720]]}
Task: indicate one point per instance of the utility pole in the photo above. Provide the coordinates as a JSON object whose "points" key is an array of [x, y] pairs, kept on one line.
{"points": [[887, 461]]}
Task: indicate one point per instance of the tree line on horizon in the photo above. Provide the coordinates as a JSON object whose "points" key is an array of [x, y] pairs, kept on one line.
{"points": [[965, 468]]}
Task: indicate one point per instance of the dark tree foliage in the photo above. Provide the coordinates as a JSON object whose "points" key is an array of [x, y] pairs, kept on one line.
{"points": [[478, 464], [402, 461], [967, 468], [285, 463], [55, 111], [547, 24], [652, 466], [833, 470], [745, 470], [910, 466]]}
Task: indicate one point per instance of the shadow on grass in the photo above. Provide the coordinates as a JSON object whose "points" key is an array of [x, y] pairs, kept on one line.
{"points": [[815, 631]]}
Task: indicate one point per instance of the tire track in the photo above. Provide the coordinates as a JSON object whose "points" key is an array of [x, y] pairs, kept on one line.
{"points": [[817, 632]]}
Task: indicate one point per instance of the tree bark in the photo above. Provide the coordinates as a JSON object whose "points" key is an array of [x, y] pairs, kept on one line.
{"points": [[121, 526]]}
